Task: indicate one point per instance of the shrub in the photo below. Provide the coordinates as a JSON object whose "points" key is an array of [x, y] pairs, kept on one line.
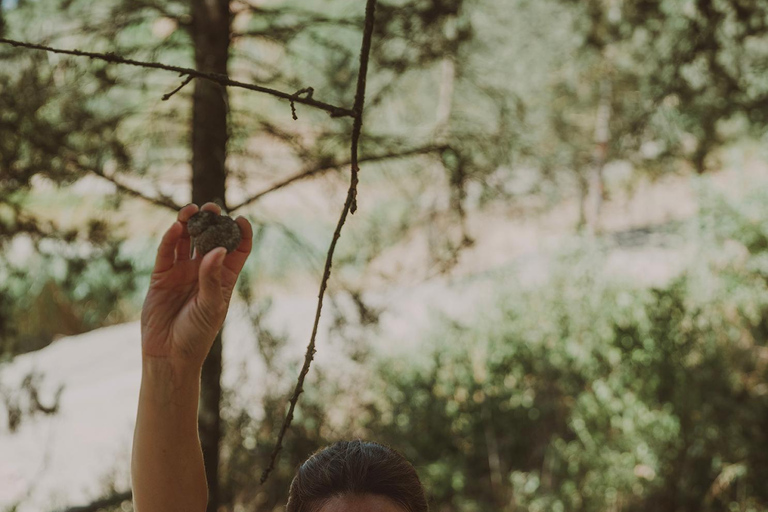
{"points": [[590, 394]]}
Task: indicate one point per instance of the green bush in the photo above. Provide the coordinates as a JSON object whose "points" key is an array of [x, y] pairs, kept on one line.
{"points": [[589, 394], [64, 287]]}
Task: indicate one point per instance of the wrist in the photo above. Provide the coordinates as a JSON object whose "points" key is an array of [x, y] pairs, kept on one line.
{"points": [[167, 381]]}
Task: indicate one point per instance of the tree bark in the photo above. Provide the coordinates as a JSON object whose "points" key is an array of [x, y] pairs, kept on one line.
{"points": [[445, 97], [595, 185], [706, 142], [210, 30]]}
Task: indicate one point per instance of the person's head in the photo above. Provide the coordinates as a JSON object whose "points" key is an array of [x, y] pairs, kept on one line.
{"points": [[356, 475]]}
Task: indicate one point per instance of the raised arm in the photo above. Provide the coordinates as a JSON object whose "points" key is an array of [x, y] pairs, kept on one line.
{"points": [[185, 308]]}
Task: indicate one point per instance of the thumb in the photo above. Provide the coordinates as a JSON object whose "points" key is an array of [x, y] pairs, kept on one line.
{"points": [[210, 278]]}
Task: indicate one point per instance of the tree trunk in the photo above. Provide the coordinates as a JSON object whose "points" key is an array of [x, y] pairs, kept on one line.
{"points": [[445, 97], [210, 32], [494, 460], [595, 186], [583, 196], [706, 142], [442, 135]]}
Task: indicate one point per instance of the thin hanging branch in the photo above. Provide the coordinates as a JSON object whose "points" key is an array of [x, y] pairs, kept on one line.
{"points": [[357, 125], [333, 110], [350, 205]]}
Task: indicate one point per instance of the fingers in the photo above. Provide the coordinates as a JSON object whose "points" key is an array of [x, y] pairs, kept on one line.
{"points": [[210, 279], [183, 245], [175, 245], [211, 207], [236, 260], [166, 251], [186, 212]]}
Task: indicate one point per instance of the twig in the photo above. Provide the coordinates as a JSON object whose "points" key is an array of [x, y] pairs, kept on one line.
{"points": [[185, 82], [349, 207], [333, 110], [334, 165], [309, 91]]}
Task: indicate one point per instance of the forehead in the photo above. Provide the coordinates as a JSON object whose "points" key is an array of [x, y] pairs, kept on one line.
{"points": [[362, 503]]}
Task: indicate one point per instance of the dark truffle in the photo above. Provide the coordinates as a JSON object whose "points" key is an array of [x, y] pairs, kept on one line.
{"points": [[209, 230]]}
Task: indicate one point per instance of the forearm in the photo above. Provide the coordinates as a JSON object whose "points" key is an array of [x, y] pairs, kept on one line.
{"points": [[167, 461]]}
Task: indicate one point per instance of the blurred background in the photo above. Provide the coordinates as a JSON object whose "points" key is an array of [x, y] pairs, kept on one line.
{"points": [[553, 295]]}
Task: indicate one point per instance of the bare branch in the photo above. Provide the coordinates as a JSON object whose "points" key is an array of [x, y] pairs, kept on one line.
{"points": [[333, 110], [309, 91], [160, 200], [185, 82], [350, 205], [357, 125], [308, 173], [164, 202]]}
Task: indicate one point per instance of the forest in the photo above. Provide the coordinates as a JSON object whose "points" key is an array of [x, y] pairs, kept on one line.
{"points": [[539, 229]]}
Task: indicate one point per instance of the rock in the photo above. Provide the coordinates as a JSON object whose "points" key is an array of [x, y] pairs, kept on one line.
{"points": [[209, 230]]}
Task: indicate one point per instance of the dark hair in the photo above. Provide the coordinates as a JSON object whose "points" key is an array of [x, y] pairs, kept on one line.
{"points": [[356, 468]]}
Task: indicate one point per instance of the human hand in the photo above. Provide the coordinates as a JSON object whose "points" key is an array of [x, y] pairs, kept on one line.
{"points": [[188, 298]]}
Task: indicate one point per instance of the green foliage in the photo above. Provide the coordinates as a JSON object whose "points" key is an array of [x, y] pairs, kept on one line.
{"points": [[54, 127], [680, 70], [62, 288], [585, 394], [589, 394]]}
